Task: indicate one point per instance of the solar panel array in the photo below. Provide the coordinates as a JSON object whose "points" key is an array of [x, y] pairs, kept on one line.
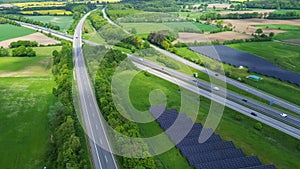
{"points": [[213, 153], [255, 64]]}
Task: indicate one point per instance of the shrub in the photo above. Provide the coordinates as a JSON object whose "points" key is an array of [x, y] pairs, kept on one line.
{"points": [[258, 126]]}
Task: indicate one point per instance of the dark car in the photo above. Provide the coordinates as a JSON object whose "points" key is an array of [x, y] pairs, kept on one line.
{"points": [[253, 114], [244, 100]]}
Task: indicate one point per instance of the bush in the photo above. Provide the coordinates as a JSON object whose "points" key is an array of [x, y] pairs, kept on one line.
{"points": [[23, 51], [3, 52], [258, 126]]}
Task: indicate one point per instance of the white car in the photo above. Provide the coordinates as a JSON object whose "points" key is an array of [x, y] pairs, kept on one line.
{"points": [[216, 88], [283, 115]]}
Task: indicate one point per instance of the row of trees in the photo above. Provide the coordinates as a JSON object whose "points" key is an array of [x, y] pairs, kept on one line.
{"points": [[7, 21], [104, 93], [274, 4], [214, 15], [67, 147], [25, 43], [285, 15], [97, 19], [30, 21]]}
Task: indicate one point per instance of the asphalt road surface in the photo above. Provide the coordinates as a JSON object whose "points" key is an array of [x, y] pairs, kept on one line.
{"points": [[92, 119]]}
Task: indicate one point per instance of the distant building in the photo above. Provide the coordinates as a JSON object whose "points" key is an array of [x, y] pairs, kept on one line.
{"points": [[253, 77]]}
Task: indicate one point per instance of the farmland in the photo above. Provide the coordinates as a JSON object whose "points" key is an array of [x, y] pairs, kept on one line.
{"points": [[179, 26], [7, 29], [64, 22], [47, 12], [283, 55], [24, 121], [25, 103], [33, 66], [230, 129], [291, 31]]}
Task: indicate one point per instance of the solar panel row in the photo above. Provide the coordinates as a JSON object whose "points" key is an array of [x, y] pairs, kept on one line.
{"points": [[231, 163], [208, 147], [199, 158], [213, 153]]}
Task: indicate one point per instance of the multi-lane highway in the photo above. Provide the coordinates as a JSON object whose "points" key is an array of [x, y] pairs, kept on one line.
{"points": [[186, 82], [237, 98], [92, 118], [258, 93]]}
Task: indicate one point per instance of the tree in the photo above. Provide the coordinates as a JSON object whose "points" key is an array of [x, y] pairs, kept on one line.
{"points": [[3, 52], [259, 31], [271, 34]]}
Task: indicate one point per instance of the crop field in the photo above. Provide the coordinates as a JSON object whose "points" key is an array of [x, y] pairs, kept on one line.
{"points": [[47, 12], [267, 144], [178, 26], [28, 66], [24, 121], [7, 29], [39, 4], [283, 55], [292, 31], [253, 63], [64, 22]]}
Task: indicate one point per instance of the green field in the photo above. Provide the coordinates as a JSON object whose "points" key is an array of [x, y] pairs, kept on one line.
{"points": [[267, 144], [7, 29], [28, 66], [283, 11], [24, 104], [292, 31], [143, 28], [283, 55], [64, 22]]}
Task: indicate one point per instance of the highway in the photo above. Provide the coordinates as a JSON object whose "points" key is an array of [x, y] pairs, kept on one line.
{"points": [[92, 118], [165, 73], [256, 92], [237, 98]]}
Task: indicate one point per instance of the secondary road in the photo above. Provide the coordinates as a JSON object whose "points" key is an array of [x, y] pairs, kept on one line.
{"points": [[92, 118], [290, 130], [261, 94]]}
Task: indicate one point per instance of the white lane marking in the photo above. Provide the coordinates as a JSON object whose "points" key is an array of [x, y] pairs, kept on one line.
{"points": [[97, 127], [101, 141], [105, 158]]}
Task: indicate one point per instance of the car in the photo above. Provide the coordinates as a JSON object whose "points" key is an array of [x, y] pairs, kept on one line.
{"points": [[216, 88], [253, 114], [244, 100], [216, 74], [283, 115]]}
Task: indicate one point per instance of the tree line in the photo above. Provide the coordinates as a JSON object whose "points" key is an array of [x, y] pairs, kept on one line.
{"points": [[30, 21], [67, 144], [274, 4], [104, 94]]}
